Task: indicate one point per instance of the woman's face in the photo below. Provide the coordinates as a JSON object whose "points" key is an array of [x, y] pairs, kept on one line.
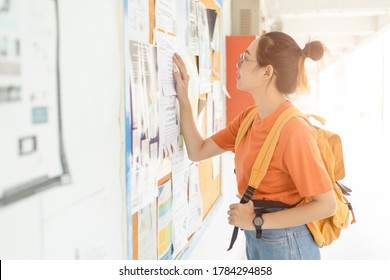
{"points": [[248, 70]]}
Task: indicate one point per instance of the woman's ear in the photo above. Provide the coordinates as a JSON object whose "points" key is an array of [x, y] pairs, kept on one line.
{"points": [[268, 72]]}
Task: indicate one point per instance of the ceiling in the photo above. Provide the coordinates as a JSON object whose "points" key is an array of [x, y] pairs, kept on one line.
{"points": [[340, 24]]}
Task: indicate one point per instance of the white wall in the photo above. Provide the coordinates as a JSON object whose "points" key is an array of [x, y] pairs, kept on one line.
{"points": [[86, 218]]}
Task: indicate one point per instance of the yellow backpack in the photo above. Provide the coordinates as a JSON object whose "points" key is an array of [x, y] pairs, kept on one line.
{"points": [[324, 231]]}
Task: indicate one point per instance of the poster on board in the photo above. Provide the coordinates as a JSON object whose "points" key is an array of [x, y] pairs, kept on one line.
{"points": [[32, 155]]}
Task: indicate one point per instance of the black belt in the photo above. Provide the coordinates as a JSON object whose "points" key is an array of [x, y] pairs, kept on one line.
{"points": [[270, 204]]}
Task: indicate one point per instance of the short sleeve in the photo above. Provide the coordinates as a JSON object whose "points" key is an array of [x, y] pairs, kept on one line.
{"points": [[226, 137], [302, 159]]}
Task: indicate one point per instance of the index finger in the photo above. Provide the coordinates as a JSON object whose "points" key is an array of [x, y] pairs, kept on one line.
{"points": [[179, 62], [178, 57], [233, 206]]}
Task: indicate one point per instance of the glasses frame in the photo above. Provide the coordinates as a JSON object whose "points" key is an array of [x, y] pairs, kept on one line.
{"points": [[243, 58]]}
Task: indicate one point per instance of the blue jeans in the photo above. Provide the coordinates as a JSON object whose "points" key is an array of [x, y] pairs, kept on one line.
{"points": [[295, 243]]}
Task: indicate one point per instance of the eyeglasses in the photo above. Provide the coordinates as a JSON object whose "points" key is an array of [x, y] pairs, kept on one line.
{"points": [[242, 58]]}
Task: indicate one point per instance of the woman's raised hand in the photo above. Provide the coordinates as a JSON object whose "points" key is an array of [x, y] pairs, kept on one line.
{"points": [[181, 77]]}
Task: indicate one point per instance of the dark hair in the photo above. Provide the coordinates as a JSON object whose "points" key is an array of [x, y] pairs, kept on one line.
{"points": [[288, 59]]}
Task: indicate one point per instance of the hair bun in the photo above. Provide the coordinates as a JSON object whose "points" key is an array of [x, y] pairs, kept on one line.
{"points": [[314, 50]]}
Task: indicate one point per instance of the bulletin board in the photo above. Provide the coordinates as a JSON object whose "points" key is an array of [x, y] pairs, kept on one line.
{"points": [[32, 155], [168, 196]]}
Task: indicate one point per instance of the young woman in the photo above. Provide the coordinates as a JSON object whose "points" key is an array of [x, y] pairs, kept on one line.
{"points": [[270, 68]]}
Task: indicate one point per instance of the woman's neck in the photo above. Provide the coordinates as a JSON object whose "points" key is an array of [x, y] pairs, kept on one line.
{"points": [[268, 102]]}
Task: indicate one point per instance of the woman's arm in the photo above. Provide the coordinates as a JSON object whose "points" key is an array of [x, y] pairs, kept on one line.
{"points": [[322, 206], [197, 148]]}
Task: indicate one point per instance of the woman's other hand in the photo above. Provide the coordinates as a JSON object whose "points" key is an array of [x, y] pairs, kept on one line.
{"points": [[242, 215]]}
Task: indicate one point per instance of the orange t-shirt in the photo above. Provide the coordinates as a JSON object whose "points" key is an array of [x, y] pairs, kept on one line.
{"points": [[296, 169]]}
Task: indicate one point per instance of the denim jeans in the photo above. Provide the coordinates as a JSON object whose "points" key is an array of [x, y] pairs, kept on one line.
{"points": [[295, 243]]}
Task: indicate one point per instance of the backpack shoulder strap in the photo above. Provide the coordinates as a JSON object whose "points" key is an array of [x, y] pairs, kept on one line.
{"points": [[259, 168], [264, 157], [245, 124], [318, 118]]}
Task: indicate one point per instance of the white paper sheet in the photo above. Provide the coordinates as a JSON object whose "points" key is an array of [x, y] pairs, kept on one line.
{"points": [[147, 232], [193, 25], [165, 16], [145, 122], [180, 210], [182, 16], [169, 126], [205, 71], [138, 14], [143, 186], [194, 200], [143, 80], [166, 47]]}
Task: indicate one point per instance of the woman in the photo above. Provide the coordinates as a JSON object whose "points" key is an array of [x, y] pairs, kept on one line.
{"points": [[271, 68]]}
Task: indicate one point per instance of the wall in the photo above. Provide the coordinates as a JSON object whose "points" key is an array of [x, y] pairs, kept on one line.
{"points": [[239, 99], [85, 218]]}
